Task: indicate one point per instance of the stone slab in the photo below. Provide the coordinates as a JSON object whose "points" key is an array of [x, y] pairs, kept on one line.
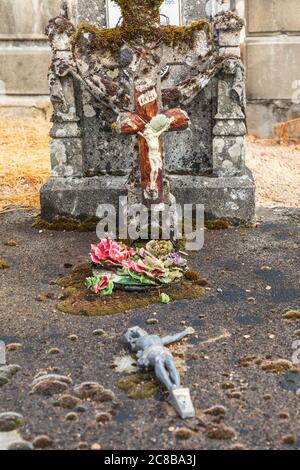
{"points": [[16, 70], [273, 67], [78, 198], [273, 16], [231, 198]]}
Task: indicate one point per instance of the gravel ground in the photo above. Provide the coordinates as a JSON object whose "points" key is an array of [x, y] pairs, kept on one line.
{"points": [[253, 278], [276, 170]]}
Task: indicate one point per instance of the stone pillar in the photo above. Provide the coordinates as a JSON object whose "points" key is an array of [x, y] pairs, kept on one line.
{"points": [[66, 145], [230, 130]]}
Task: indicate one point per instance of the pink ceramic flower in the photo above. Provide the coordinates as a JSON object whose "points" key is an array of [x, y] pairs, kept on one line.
{"points": [[150, 267], [102, 285], [110, 253]]}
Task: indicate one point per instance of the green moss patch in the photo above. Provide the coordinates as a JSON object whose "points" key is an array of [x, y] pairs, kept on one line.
{"points": [[113, 39], [77, 300], [216, 224], [139, 386], [69, 225]]}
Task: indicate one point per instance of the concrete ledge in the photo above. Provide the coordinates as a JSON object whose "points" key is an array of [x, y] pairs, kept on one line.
{"points": [[231, 198], [78, 198]]}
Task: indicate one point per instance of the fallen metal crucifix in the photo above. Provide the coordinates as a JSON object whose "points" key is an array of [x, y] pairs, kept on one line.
{"points": [[151, 353]]}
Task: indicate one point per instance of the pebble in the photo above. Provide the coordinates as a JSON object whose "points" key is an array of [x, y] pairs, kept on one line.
{"points": [[14, 347], [49, 388], [73, 338], [278, 365], [267, 397], [238, 446], [183, 434], [237, 395], [12, 243], [54, 351], [289, 439], [21, 445], [152, 321], [297, 333], [268, 288], [10, 421], [291, 315], [4, 264], [96, 446], [103, 417], [81, 409], [298, 393], [42, 442], [227, 385], [220, 431], [72, 417], [217, 410], [51, 384], [41, 298], [246, 336], [68, 402], [284, 415], [82, 446], [49, 377], [271, 336], [98, 332], [94, 391], [251, 300]]}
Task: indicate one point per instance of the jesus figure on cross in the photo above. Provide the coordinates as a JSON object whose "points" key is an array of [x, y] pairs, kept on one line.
{"points": [[155, 157]]}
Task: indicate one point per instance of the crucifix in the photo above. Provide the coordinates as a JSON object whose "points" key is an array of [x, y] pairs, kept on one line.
{"points": [[149, 124], [122, 69]]}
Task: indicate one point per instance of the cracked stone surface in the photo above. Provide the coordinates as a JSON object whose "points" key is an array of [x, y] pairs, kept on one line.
{"points": [[253, 280]]}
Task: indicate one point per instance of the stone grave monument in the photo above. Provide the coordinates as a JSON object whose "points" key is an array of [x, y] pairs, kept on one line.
{"points": [[111, 88]]}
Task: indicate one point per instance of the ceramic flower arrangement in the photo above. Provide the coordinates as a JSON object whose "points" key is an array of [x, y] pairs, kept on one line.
{"points": [[116, 266]]}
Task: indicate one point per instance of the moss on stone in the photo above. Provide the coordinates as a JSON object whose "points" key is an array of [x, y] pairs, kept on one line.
{"points": [[216, 224], [77, 300], [192, 275], [68, 225], [139, 386], [112, 39]]}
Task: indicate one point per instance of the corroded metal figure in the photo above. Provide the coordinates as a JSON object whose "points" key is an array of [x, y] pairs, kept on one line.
{"points": [[151, 353]]}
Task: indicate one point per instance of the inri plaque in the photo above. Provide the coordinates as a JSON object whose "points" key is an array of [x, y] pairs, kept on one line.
{"points": [[170, 11]]}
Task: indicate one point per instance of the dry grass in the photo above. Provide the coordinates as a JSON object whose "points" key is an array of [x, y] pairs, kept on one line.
{"points": [[24, 160], [25, 165]]}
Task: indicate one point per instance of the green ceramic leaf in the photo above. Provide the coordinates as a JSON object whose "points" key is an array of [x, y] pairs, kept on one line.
{"points": [[165, 298]]}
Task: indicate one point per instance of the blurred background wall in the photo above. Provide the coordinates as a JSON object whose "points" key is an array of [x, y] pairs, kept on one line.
{"points": [[271, 54]]}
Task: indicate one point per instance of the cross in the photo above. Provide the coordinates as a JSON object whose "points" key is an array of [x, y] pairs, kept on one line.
{"points": [[150, 145], [121, 68]]}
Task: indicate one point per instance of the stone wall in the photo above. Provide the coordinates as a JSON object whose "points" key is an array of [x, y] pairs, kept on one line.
{"points": [[24, 51], [272, 62]]}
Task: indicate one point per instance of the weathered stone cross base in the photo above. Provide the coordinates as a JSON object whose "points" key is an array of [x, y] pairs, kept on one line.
{"points": [[227, 197]]}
